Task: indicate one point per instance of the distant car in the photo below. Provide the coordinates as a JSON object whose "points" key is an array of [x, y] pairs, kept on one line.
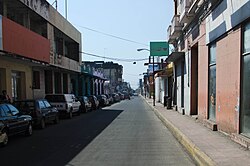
{"points": [[135, 94], [94, 101], [121, 96], [85, 104], [66, 104], [40, 110], [116, 97], [103, 101], [126, 95], [109, 98], [12, 122]]}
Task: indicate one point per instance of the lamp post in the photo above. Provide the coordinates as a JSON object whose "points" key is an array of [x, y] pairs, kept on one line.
{"points": [[145, 49]]}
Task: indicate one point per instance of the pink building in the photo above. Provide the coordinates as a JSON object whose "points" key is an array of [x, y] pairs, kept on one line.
{"points": [[212, 63]]}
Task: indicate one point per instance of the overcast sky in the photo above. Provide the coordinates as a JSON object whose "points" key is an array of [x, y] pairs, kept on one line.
{"points": [[139, 21]]}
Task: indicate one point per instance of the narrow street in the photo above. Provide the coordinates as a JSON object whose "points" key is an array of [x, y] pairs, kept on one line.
{"points": [[126, 133], [135, 137]]}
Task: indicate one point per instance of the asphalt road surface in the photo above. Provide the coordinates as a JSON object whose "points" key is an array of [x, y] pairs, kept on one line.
{"points": [[126, 133]]}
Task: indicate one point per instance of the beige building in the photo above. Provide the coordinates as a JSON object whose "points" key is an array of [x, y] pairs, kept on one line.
{"points": [[40, 51]]}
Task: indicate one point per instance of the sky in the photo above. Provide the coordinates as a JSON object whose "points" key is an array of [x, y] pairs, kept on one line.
{"points": [[138, 21]]}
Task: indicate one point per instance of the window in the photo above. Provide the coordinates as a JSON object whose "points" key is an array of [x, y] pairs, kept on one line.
{"points": [[47, 104], [245, 88], [41, 105], [36, 80], [212, 83], [246, 39]]}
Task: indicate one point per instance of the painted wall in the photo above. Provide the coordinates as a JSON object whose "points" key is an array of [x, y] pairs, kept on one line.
{"points": [[1, 34], [162, 90], [228, 81], [226, 16], [21, 41], [187, 69], [157, 89], [8, 67], [178, 72], [40, 93], [202, 73]]}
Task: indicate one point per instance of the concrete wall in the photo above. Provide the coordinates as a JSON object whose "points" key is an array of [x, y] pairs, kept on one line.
{"points": [[228, 81], [202, 74], [39, 6], [57, 20]]}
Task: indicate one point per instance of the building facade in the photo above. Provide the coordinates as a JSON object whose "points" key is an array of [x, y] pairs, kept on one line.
{"points": [[39, 50], [112, 72], [211, 63]]}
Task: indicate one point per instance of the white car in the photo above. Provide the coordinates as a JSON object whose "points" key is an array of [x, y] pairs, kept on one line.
{"points": [[65, 103]]}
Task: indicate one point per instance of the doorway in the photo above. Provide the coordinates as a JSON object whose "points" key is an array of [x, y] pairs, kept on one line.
{"points": [[194, 80]]}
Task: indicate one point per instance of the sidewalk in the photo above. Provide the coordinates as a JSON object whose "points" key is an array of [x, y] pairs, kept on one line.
{"points": [[207, 147]]}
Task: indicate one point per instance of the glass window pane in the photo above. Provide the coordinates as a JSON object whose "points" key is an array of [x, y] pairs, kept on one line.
{"points": [[247, 38], [47, 104], [245, 112], [212, 92], [41, 104], [212, 54]]}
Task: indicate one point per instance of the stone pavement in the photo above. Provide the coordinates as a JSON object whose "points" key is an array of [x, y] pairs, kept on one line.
{"points": [[207, 147]]}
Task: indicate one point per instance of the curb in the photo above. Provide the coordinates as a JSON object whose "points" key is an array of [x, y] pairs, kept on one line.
{"points": [[199, 156]]}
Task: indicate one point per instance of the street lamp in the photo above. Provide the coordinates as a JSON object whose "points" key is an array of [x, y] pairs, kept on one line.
{"points": [[145, 49]]}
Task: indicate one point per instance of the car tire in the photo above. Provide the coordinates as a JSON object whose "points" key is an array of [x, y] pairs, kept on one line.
{"points": [[6, 138], [42, 123], [29, 130], [56, 121]]}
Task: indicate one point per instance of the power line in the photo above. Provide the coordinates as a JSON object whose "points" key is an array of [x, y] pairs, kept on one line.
{"points": [[117, 37], [116, 59]]}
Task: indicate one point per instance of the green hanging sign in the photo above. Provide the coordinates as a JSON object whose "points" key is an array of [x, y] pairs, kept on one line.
{"points": [[159, 49]]}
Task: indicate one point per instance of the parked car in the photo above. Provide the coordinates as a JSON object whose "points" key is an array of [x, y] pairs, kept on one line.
{"points": [[94, 102], [12, 122], [40, 110], [103, 101], [109, 98], [126, 95], [66, 104], [135, 94], [3, 135], [86, 105], [121, 95], [116, 97]]}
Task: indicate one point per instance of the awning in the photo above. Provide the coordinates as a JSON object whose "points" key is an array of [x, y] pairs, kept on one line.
{"points": [[174, 56]]}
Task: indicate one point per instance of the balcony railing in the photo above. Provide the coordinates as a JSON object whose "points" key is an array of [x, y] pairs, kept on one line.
{"points": [[185, 16], [21, 41], [175, 29]]}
